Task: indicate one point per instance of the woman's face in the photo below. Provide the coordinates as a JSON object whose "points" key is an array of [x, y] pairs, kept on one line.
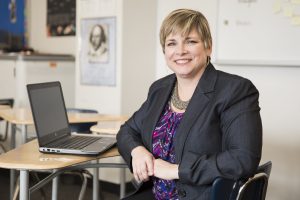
{"points": [[186, 56]]}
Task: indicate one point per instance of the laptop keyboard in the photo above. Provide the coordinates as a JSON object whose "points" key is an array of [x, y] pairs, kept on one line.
{"points": [[75, 142]]}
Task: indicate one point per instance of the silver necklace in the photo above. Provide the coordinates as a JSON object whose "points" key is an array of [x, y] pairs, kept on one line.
{"points": [[176, 101]]}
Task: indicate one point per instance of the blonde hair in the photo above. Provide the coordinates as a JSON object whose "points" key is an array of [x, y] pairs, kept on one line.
{"points": [[184, 21]]}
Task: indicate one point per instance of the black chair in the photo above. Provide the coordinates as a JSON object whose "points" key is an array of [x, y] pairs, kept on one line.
{"points": [[254, 188], [81, 127], [224, 189], [9, 102]]}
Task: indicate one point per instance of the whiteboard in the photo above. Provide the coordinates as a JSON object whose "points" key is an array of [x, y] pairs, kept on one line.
{"points": [[258, 32]]}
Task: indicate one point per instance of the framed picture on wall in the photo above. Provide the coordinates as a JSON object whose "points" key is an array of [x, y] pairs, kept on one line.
{"points": [[97, 51], [61, 18]]}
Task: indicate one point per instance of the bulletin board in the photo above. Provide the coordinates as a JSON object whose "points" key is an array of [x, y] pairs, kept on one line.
{"points": [[258, 32]]}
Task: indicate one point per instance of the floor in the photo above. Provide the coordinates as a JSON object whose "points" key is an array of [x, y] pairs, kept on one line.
{"points": [[69, 189]]}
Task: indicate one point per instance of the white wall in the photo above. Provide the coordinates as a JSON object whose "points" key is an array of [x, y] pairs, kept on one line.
{"points": [[37, 33], [138, 55], [105, 99]]}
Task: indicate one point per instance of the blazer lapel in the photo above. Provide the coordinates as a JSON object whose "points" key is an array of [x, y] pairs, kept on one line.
{"points": [[159, 103], [198, 102]]}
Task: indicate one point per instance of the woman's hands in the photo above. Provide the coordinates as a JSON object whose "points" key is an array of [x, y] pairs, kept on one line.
{"points": [[142, 163], [165, 170], [145, 165]]}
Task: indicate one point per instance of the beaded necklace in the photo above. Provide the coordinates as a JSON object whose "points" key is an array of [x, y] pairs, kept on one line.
{"points": [[176, 101]]}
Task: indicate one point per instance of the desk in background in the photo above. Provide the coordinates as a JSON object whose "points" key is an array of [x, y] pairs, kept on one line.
{"points": [[23, 117], [4, 107], [108, 128]]}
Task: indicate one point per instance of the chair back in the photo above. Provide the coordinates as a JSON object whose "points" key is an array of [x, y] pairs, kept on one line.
{"points": [[256, 187], [9, 102], [265, 168], [243, 189], [222, 188], [81, 127]]}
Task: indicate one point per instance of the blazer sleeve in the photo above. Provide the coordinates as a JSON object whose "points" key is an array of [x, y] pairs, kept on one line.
{"points": [[241, 140]]}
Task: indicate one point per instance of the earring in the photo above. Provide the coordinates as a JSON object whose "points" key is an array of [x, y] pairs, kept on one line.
{"points": [[208, 60]]}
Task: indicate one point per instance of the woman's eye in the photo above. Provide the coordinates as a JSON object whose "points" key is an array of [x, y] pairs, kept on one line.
{"points": [[171, 44], [191, 42]]}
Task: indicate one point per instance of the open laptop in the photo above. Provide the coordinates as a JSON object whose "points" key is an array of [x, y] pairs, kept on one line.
{"points": [[52, 125]]}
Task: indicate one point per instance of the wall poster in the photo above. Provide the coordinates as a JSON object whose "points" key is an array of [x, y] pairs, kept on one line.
{"points": [[97, 51], [12, 25], [61, 17]]}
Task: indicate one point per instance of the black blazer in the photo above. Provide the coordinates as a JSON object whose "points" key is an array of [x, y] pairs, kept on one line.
{"points": [[220, 134]]}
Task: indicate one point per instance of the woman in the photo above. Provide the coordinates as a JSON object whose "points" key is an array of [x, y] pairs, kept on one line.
{"points": [[196, 124]]}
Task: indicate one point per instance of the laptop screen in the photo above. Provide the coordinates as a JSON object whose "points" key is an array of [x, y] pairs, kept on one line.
{"points": [[48, 110]]}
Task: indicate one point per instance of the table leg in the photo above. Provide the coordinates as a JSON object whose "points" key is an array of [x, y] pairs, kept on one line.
{"points": [[122, 182], [12, 172], [95, 182], [24, 134], [55, 182], [24, 185]]}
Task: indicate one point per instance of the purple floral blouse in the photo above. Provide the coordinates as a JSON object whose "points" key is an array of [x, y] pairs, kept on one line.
{"points": [[163, 147]]}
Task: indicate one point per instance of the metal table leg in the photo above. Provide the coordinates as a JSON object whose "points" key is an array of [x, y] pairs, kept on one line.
{"points": [[95, 182], [24, 182], [55, 182], [24, 134], [122, 182], [12, 172]]}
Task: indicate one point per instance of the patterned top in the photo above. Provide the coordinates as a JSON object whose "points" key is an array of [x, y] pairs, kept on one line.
{"points": [[163, 147]]}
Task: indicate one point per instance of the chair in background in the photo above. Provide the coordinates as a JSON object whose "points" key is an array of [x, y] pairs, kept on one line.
{"points": [[254, 188], [81, 127], [9, 102]]}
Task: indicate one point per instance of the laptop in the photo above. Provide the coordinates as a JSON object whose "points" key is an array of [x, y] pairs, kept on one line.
{"points": [[52, 125]]}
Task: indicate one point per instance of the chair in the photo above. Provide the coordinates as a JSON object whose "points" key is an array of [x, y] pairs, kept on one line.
{"points": [[81, 127], [9, 102], [254, 188]]}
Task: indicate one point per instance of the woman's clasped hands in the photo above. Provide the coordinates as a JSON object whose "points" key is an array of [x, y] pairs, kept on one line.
{"points": [[145, 165]]}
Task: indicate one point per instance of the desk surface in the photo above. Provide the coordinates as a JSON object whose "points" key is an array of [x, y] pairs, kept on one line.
{"points": [[27, 156], [107, 127], [4, 106], [24, 116]]}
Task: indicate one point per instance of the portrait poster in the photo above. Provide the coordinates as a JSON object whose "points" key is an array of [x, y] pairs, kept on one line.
{"points": [[98, 51], [61, 18]]}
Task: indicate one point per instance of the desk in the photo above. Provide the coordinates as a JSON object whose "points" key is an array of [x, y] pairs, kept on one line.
{"points": [[27, 157], [108, 127], [23, 118], [4, 107]]}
